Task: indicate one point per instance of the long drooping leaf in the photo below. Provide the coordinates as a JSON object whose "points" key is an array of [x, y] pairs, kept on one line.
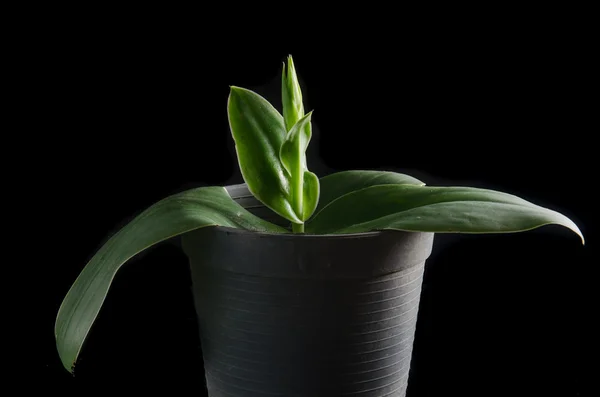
{"points": [[336, 185], [433, 209], [259, 131], [172, 216]]}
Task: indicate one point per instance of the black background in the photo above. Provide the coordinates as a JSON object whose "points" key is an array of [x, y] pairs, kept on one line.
{"points": [[130, 115]]}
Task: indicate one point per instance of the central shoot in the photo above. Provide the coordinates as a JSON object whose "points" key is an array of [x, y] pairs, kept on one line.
{"points": [[271, 149]]}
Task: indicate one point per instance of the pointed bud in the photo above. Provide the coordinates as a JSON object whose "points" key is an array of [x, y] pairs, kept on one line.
{"points": [[293, 109]]}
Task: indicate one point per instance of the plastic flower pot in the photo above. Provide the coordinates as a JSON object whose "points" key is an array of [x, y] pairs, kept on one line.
{"points": [[306, 315]]}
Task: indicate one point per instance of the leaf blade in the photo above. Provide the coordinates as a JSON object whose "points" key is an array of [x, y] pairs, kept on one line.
{"points": [[338, 184], [258, 132], [292, 155], [434, 209], [174, 215], [310, 193]]}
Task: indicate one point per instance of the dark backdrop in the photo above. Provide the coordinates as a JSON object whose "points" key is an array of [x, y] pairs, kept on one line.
{"points": [[134, 116]]}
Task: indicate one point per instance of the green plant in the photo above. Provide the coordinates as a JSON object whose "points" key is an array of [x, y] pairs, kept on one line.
{"points": [[271, 152]]}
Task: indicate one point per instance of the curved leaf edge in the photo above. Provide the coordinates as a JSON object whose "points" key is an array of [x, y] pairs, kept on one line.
{"points": [[70, 362], [363, 226], [566, 222], [410, 180]]}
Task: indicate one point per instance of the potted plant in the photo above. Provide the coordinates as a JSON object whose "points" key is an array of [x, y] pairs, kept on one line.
{"points": [[303, 286]]}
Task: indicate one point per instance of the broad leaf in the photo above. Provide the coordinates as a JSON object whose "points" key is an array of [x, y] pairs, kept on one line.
{"points": [[433, 209], [258, 131], [172, 216], [293, 157], [334, 186]]}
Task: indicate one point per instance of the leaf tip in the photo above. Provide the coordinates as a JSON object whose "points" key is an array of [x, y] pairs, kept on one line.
{"points": [[69, 364], [580, 234], [573, 227], [236, 93]]}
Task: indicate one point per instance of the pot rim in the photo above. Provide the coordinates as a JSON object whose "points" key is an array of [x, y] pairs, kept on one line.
{"points": [[290, 255], [373, 233]]}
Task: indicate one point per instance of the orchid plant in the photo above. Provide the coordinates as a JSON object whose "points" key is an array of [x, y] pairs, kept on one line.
{"points": [[271, 151]]}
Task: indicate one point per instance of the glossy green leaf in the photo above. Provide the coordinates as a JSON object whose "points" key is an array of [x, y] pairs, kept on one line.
{"points": [[258, 131], [293, 158], [291, 96], [433, 209], [172, 216], [335, 185], [293, 150], [310, 193]]}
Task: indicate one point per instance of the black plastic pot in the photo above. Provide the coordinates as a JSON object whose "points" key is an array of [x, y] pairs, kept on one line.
{"points": [[305, 315]]}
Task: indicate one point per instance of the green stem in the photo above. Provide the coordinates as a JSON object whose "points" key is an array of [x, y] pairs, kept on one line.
{"points": [[298, 227], [298, 181]]}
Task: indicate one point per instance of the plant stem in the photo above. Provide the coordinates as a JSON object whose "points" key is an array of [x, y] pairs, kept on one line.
{"points": [[298, 227], [298, 183]]}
